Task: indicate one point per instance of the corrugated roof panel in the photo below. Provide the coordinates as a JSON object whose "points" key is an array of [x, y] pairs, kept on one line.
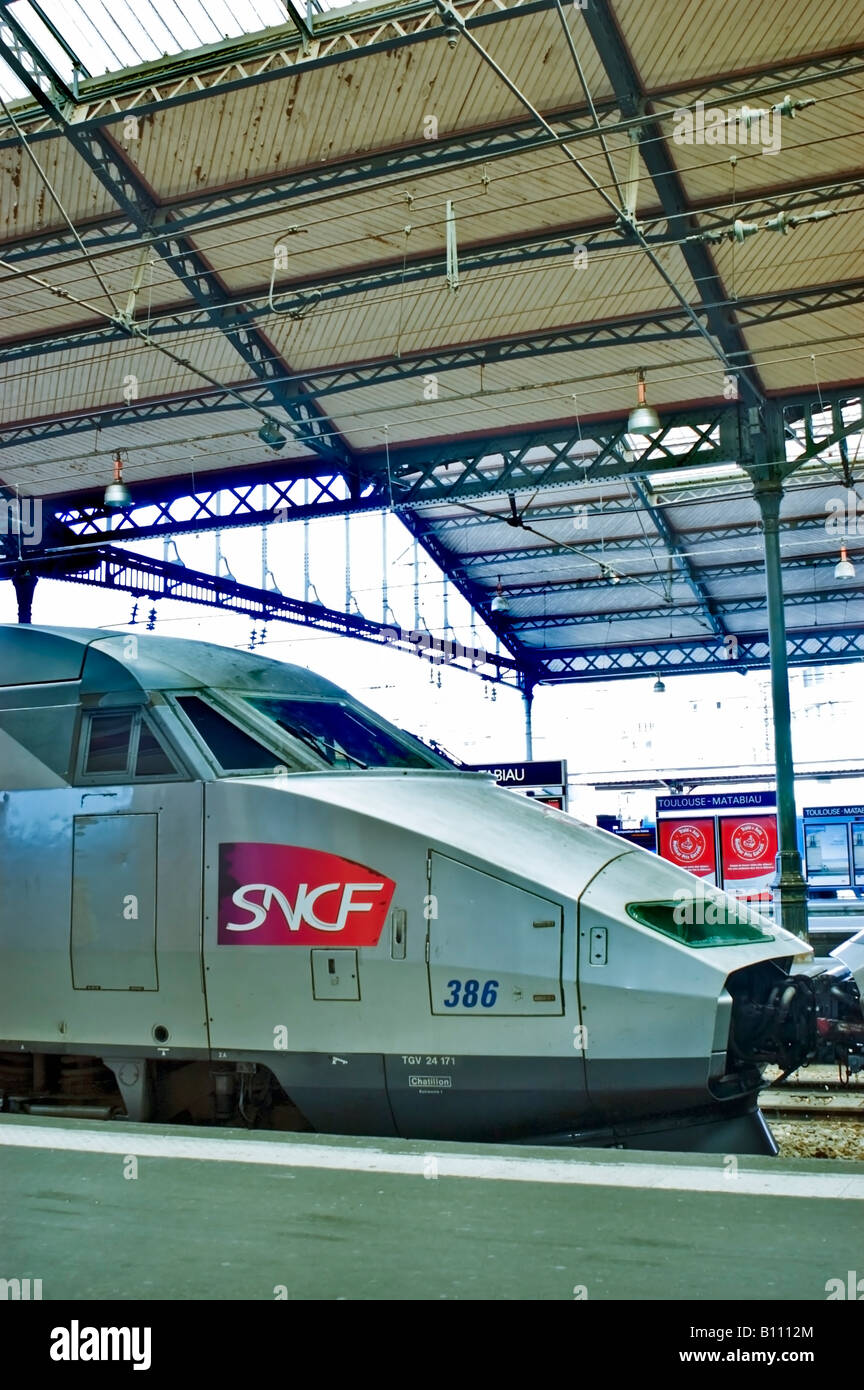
{"points": [[32, 303], [340, 109], [187, 447], [819, 143], [671, 38], [536, 194], [26, 206], [72, 381]]}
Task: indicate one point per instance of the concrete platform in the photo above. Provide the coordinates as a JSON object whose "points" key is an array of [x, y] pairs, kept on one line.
{"points": [[122, 1211]]}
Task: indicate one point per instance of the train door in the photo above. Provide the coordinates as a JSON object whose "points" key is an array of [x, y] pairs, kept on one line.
{"points": [[503, 1064], [114, 895], [494, 949]]}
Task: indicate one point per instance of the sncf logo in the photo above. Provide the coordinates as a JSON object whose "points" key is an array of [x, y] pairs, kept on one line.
{"points": [[282, 895]]}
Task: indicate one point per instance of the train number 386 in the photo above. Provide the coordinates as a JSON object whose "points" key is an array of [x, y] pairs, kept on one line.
{"points": [[471, 993]]}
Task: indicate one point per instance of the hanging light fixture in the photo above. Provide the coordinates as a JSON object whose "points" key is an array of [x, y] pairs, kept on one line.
{"points": [[643, 417], [659, 687], [844, 569], [499, 602], [271, 435], [117, 494]]}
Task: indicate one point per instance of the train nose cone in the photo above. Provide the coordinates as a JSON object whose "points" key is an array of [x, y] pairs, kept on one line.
{"points": [[851, 953]]}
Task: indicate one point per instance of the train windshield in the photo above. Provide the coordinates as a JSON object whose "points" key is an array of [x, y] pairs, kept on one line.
{"points": [[343, 737]]}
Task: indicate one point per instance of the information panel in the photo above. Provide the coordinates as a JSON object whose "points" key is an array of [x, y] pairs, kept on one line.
{"points": [[834, 846], [748, 846], [826, 847], [689, 844]]}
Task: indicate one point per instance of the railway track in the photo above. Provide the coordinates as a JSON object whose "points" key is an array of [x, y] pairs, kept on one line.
{"points": [[828, 1098]]}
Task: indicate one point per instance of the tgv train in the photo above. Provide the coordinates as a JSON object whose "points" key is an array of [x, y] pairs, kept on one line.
{"points": [[230, 893]]}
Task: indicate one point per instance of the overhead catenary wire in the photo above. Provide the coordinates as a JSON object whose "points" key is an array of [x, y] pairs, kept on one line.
{"points": [[225, 221], [476, 278], [55, 197], [158, 347], [686, 372]]}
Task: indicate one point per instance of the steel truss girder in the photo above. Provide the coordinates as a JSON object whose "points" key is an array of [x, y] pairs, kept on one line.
{"points": [[678, 559], [494, 559], [550, 457], [340, 38], [755, 604], [603, 507], [723, 434], [811, 647], [707, 573], [407, 486], [223, 508], [146, 577], [130, 193], [190, 403], [666, 179], [109, 99], [753, 312]]}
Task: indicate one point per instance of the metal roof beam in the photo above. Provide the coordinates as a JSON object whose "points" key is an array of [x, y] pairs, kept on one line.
{"points": [[546, 458], [147, 577], [811, 647], [754, 311], [674, 547], [249, 61], [549, 622], [648, 576], [131, 194], [601, 24], [218, 506]]}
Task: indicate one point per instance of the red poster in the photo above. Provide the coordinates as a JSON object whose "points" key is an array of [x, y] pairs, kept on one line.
{"points": [[748, 845], [689, 844], [282, 895]]}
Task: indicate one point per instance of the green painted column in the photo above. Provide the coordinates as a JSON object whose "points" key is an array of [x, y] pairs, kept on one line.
{"points": [[790, 888], [24, 583], [528, 700]]}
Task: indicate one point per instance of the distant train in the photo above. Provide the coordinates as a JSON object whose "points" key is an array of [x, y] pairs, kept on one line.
{"points": [[231, 894]]}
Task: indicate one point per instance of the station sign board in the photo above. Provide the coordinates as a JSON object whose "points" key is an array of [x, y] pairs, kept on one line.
{"points": [[532, 774], [544, 781], [728, 838]]}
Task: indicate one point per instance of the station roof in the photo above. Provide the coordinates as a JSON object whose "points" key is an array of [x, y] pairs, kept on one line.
{"points": [[258, 229]]}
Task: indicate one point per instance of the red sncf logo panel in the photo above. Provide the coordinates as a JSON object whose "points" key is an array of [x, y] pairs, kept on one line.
{"points": [[282, 895]]}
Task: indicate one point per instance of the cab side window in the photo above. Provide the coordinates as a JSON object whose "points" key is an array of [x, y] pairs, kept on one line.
{"points": [[109, 743], [122, 746]]}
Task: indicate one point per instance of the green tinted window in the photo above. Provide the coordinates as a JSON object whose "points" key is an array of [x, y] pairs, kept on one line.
{"points": [[696, 921]]}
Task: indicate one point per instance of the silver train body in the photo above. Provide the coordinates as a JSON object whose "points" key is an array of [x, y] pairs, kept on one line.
{"points": [[231, 894]]}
